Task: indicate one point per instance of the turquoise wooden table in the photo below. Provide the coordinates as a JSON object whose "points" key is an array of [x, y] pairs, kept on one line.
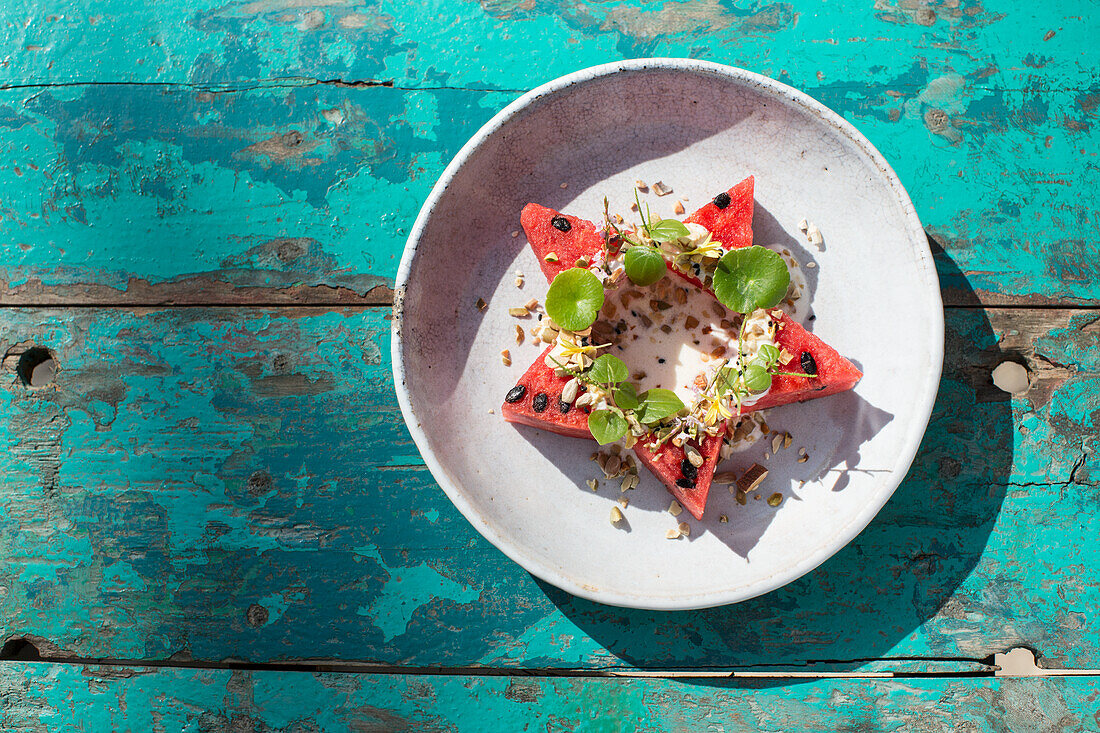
{"points": [[213, 517]]}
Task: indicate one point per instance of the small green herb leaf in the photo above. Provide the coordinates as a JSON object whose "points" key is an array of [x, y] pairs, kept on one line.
{"points": [[574, 299], [626, 396], [657, 404], [768, 354], [608, 369], [607, 426], [751, 278], [644, 265], [757, 378], [668, 230]]}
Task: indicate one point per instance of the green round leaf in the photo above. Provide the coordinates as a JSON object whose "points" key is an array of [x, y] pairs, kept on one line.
{"points": [[751, 278], [757, 378], [626, 396], [608, 369], [768, 354], [657, 404], [667, 230], [607, 426], [644, 265], [574, 299]]}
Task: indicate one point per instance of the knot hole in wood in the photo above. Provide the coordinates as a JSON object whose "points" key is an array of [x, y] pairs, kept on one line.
{"points": [[36, 367]]}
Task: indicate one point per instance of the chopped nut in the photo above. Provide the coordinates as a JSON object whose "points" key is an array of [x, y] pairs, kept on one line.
{"points": [[814, 235], [506, 357], [725, 477], [531, 304], [520, 312], [661, 189], [492, 411], [685, 528], [777, 441], [811, 265], [718, 309], [615, 449], [674, 508], [641, 186], [723, 518], [582, 262], [564, 185], [694, 457], [803, 225], [691, 322], [593, 484], [519, 334], [678, 208], [718, 352], [681, 296], [550, 257], [775, 499], [672, 534], [742, 498], [616, 515], [481, 304], [624, 502], [787, 440], [519, 281], [629, 482], [752, 478], [515, 233]]}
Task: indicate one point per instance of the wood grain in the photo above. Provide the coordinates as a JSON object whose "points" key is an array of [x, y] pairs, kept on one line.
{"points": [[225, 483], [38, 697]]}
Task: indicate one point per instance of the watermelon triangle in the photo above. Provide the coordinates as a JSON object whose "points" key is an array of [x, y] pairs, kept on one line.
{"points": [[541, 379], [667, 465], [731, 224], [582, 239], [834, 372]]}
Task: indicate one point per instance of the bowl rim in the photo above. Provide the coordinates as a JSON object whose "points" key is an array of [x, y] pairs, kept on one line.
{"points": [[923, 405]]}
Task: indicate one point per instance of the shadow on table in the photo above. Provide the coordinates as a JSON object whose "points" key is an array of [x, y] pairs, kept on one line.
{"points": [[899, 573]]}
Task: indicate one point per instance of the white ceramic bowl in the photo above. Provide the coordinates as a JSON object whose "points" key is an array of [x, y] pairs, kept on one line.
{"points": [[699, 127]]}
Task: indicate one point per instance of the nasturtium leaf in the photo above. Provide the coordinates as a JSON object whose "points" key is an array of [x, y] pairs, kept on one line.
{"points": [[750, 278], [644, 265], [768, 354], [667, 230], [657, 404], [608, 369], [574, 299], [626, 396], [607, 426], [757, 378]]}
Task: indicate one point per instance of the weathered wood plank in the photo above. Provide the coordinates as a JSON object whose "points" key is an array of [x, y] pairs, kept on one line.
{"points": [[41, 697], [211, 483], [297, 191]]}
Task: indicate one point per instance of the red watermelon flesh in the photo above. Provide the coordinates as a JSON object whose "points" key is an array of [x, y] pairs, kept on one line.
{"points": [[834, 372], [731, 225], [541, 379], [667, 465], [581, 240]]}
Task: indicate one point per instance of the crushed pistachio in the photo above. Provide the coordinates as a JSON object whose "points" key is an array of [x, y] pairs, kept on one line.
{"points": [[775, 499], [550, 257], [723, 518], [593, 484]]}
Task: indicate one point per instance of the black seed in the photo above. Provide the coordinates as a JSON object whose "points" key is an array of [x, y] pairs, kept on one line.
{"points": [[540, 316], [660, 360], [722, 200], [540, 402], [562, 224], [515, 394], [684, 483], [564, 406], [690, 472], [809, 366]]}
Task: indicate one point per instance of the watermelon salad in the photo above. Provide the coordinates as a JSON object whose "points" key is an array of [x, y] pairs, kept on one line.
{"points": [[664, 337]]}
